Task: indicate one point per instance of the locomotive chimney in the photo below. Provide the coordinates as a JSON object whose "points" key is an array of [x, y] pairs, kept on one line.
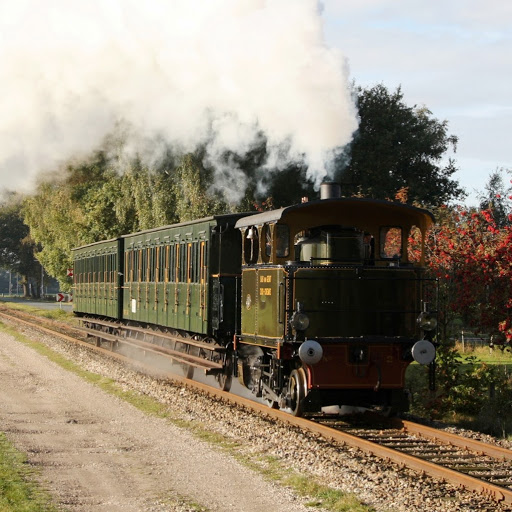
{"points": [[330, 190]]}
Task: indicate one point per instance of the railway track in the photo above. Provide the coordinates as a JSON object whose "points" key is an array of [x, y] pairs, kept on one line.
{"points": [[464, 462]]}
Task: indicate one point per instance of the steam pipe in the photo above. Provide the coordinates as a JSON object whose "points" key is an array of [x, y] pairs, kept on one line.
{"points": [[330, 190]]}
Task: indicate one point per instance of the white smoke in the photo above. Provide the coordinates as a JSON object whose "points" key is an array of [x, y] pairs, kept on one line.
{"points": [[217, 73]]}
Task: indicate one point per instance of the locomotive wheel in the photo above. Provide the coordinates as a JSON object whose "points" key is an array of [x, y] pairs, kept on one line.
{"points": [[297, 391], [224, 379]]}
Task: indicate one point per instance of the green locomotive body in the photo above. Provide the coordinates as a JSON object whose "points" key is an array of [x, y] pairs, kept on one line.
{"points": [[318, 303]]}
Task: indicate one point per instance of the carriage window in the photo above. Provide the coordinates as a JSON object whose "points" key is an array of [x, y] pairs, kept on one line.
{"points": [[391, 242], [251, 245], [282, 234], [183, 269], [127, 267], [139, 265], [132, 266], [151, 263], [330, 244], [266, 236], [196, 262], [369, 249], [177, 263], [167, 262], [189, 263], [204, 260]]}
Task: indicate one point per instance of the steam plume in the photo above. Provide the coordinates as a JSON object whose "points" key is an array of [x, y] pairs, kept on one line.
{"points": [[217, 73]]}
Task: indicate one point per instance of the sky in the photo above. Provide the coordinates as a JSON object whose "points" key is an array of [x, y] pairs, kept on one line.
{"points": [[218, 73], [454, 57]]}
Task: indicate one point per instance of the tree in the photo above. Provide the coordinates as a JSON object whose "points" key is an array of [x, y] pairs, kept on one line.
{"points": [[191, 191], [398, 146], [472, 257], [289, 185], [494, 199], [18, 250]]}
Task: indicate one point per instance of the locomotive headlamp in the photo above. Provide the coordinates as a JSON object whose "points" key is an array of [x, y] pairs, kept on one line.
{"points": [[299, 321], [423, 352], [427, 321], [310, 352]]}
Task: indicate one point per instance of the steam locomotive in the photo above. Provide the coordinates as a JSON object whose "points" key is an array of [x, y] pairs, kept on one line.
{"points": [[320, 303]]}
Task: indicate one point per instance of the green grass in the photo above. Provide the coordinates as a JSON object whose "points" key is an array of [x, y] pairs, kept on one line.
{"points": [[18, 490], [323, 496], [486, 355], [317, 494], [57, 314]]}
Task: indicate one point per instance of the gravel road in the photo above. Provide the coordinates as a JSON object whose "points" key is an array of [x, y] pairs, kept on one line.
{"points": [[98, 453]]}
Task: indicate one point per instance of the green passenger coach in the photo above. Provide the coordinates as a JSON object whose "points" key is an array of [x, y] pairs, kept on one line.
{"points": [[175, 276], [182, 276]]}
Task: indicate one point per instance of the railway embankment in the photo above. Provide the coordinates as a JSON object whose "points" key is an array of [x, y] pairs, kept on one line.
{"points": [[382, 485]]}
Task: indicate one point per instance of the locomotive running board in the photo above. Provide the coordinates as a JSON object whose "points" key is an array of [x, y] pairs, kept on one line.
{"points": [[119, 328]]}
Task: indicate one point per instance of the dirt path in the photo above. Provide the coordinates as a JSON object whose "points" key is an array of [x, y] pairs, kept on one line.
{"points": [[97, 453]]}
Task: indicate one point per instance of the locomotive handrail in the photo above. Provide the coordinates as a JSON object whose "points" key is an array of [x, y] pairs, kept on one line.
{"points": [[280, 315]]}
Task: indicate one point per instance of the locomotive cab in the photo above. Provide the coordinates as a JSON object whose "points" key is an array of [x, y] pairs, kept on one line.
{"points": [[334, 301]]}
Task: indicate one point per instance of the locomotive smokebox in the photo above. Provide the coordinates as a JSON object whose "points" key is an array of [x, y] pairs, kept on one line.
{"points": [[330, 190]]}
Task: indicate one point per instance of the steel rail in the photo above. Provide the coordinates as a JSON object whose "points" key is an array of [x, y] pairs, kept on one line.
{"points": [[497, 493], [465, 443], [107, 352]]}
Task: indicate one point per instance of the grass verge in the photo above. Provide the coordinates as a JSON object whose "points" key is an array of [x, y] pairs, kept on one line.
{"points": [[19, 491], [59, 315]]}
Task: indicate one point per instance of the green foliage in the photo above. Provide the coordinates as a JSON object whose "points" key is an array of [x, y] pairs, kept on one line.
{"points": [[18, 250], [494, 198], [463, 382], [192, 199], [495, 416], [398, 146], [469, 392], [289, 185], [18, 493]]}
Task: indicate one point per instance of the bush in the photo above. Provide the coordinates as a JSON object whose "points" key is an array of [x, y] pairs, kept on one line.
{"points": [[469, 392]]}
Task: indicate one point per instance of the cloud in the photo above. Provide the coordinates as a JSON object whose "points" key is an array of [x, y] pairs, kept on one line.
{"points": [[189, 71]]}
